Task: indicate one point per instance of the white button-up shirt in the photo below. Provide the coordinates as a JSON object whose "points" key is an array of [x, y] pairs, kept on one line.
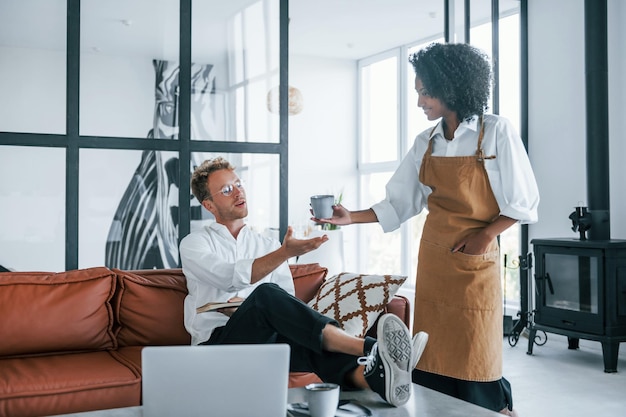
{"points": [[510, 173], [218, 267]]}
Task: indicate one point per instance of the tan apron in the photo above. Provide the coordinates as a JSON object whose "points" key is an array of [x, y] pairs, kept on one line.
{"points": [[458, 300]]}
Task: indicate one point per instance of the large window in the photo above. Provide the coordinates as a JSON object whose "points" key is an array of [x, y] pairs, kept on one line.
{"points": [[108, 108], [388, 130]]}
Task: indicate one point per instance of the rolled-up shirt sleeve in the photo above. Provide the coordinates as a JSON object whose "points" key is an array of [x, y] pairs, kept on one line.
{"points": [[511, 175], [405, 196]]}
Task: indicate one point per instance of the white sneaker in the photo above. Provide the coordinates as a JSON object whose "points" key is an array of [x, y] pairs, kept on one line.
{"points": [[387, 366], [419, 343]]}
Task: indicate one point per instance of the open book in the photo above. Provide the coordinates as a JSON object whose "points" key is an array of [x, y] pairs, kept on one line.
{"points": [[216, 305]]}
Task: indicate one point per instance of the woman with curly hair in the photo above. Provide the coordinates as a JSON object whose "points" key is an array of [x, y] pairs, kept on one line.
{"points": [[471, 172]]}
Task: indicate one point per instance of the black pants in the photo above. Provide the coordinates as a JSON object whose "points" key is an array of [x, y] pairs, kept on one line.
{"points": [[271, 315], [494, 395]]}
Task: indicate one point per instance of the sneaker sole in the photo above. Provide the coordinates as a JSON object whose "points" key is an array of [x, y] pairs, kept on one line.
{"points": [[394, 348]]}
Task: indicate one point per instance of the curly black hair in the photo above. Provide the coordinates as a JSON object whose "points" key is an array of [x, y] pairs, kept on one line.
{"points": [[457, 74]]}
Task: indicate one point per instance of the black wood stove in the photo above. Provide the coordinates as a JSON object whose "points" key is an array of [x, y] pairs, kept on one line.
{"points": [[581, 293]]}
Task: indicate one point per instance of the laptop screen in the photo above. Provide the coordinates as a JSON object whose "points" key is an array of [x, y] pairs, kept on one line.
{"points": [[218, 380]]}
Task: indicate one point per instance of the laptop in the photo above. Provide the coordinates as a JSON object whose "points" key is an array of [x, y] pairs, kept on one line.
{"points": [[219, 380]]}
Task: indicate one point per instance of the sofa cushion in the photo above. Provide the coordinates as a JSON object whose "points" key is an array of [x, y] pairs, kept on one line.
{"points": [[45, 312], [307, 279], [149, 306], [131, 355], [67, 383], [356, 300]]}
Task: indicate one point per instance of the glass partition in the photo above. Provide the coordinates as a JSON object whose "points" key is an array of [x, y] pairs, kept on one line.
{"points": [[32, 197], [33, 66], [124, 206], [123, 47], [128, 216], [129, 84], [239, 42]]}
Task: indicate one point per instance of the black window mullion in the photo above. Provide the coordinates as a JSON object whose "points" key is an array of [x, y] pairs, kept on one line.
{"points": [[284, 125], [524, 238], [49, 140], [184, 117], [446, 20], [234, 147], [468, 20], [72, 131], [495, 53]]}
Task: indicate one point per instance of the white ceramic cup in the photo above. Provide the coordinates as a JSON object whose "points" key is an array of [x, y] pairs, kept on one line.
{"points": [[322, 206], [323, 399]]}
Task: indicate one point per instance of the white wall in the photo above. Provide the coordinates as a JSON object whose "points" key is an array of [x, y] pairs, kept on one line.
{"points": [[557, 128], [322, 139]]}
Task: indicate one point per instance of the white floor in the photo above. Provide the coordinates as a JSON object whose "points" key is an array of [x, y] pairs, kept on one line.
{"points": [[557, 382]]}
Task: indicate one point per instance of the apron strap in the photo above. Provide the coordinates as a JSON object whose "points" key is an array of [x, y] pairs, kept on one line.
{"points": [[480, 153], [429, 150]]}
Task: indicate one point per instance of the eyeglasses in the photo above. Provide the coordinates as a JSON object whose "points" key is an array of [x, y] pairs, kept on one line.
{"points": [[229, 188]]}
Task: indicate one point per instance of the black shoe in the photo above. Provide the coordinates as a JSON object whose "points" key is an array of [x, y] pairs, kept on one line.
{"points": [[388, 365]]}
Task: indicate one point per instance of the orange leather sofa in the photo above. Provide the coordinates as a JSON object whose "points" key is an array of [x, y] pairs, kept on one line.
{"points": [[71, 341]]}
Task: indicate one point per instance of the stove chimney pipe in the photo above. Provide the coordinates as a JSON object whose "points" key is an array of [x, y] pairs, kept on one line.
{"points": [[597, 110]]}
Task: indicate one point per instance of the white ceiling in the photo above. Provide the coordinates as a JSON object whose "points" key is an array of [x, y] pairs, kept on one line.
{"points": [[349, 29], [360, 28]]}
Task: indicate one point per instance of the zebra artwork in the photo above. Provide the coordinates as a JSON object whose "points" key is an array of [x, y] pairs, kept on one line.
{"points": [[144, 230]]}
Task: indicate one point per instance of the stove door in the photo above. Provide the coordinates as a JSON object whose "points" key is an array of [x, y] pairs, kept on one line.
{"points": [[570, 285]]}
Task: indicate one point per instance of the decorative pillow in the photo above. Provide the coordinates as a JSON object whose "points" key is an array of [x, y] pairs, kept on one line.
{"points": [[356, 300]]}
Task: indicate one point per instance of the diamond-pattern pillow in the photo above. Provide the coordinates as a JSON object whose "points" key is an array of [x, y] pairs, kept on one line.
{"points": [[356, 300]]}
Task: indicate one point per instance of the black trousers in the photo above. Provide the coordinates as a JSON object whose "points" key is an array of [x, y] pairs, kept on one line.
{"points": [[271, 315]]}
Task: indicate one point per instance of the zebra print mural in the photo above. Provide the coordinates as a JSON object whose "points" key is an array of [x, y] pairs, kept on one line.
{"points": [[144, 230]]}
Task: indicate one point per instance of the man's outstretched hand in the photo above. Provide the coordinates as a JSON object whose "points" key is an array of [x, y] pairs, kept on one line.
{"points": [[296, 247]]}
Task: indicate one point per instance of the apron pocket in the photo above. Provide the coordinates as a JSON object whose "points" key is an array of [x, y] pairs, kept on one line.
{"points": [[458, 280]]}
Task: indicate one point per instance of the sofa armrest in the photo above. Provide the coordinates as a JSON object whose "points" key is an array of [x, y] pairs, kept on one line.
{"points": [[307, 279], [401, 307]]}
